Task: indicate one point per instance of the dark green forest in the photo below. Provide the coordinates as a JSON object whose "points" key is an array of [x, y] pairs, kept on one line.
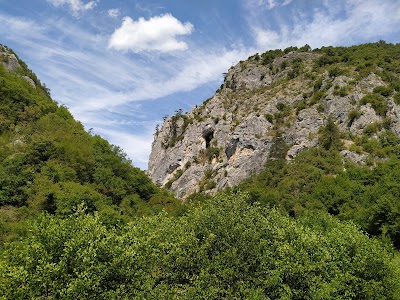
{"points": [[78, 221]]}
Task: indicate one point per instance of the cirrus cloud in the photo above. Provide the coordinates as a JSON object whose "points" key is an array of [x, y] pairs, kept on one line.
{"points": [[156, 34], [359, 20], [268, 4], [76, 6]]}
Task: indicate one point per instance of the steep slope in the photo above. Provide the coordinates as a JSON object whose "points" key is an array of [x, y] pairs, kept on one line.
{"points": [[48, 162], [275, 105]]}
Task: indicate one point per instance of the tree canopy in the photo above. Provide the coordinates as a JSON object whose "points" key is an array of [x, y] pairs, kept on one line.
{"points": [[225, 249]]}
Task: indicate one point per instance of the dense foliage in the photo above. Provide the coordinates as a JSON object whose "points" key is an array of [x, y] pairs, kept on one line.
{"points": [[318, 181], [226, 250], [48, 162]]}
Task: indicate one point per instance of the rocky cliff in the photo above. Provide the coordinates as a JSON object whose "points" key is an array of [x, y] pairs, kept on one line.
{"points": [[13, 64], [273, 105]]}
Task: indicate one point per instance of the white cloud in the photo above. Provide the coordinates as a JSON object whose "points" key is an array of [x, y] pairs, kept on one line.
{"points": [[156, 34], [286, 2], [268, 4], [76, 6], [199, 68], [266, 38], [114, 12]]}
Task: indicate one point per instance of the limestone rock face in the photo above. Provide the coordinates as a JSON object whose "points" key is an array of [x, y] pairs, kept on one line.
{"points": [[8, 60], [11, 63], [29, 80], [262, 112]]}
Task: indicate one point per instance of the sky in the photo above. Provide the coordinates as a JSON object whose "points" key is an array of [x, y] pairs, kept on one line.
{"points": [[120, 66]]}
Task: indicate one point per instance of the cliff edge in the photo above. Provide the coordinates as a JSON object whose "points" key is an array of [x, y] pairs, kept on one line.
{"points": [[273, 106]]}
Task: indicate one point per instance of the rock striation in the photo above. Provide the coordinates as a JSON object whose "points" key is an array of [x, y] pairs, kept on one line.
{"points": [[265, 109]]}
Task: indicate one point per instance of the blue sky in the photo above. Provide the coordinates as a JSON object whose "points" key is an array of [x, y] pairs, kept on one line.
{"points": [[121, 65]]}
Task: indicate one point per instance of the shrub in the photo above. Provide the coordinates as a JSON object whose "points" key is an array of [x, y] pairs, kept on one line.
{"points": [[341, 91], [281, 106], [372, 128], [353, 114], [330, 136], [396, 98], [317, 96], [335, 72], [290, 49], [305, 48], [377, 101], [383, 90], [208, 173], [318, 85], [210, 184], [395, 85], [269, 117]]}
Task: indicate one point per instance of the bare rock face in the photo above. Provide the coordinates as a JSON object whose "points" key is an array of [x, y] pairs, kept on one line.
{"points": [[394, 115], [304, 132], [11, 63], [8, 60], [29, 80], [262, 112]]}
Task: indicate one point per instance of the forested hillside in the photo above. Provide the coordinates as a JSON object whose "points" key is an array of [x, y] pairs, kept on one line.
{"points": [[48, 162], [78, 221], [317, 182]]}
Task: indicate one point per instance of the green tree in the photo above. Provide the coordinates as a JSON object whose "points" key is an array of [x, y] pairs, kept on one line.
{"points": [[329, 136]]}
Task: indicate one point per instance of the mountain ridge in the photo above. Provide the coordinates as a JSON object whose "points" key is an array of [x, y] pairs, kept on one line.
{"points": [[279, 101]]}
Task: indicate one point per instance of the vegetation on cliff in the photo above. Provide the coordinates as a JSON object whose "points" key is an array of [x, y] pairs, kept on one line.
{"points": [[282, 99], [78, 221]]}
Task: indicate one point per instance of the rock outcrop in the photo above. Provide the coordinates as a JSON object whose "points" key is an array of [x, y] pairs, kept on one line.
{"points": [[8, 59], [11, 63], [263, 111]]}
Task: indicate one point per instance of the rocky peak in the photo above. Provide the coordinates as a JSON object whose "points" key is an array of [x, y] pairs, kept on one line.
{"points": [[8, 59], [270, 106], [11, 63]]}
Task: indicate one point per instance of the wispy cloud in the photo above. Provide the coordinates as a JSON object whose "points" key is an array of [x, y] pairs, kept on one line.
{"points": [[359, 20], [156, 34], [286, 2], [113, 12], [86, 74], [76, 6], [268, 4]]}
